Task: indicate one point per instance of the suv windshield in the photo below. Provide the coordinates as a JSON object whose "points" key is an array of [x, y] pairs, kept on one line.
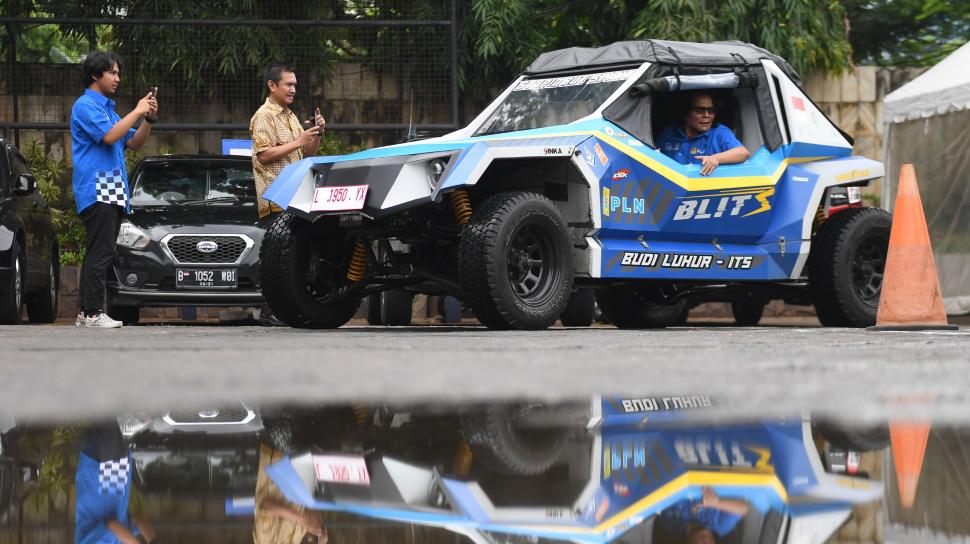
{"points": [[546, 102], [165, 183]]}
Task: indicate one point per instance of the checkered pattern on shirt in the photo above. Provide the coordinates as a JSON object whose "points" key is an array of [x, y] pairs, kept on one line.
{"points": [[111, 188], [113, 476], [272, 125]]}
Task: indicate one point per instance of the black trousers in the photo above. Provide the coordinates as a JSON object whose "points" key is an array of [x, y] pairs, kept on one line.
{"points": [[102, 222]]}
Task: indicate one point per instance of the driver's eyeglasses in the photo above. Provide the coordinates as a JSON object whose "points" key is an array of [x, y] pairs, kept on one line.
{"points": [[703, 111]]}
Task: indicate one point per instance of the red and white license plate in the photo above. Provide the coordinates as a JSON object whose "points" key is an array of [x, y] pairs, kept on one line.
{"points": [[337, 199], [341, 469]]}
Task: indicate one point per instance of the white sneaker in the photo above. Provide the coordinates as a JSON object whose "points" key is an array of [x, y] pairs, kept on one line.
{"points": [[100, 321]]}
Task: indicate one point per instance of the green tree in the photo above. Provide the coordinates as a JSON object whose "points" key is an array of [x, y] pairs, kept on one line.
{"points": [[906, 32], [500, 37]]}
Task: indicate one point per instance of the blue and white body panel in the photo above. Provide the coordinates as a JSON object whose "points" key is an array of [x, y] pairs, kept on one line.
{"points": [[651, 217]]}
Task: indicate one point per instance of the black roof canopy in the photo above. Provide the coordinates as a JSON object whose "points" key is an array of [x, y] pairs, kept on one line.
{"points": [[726, 53]]}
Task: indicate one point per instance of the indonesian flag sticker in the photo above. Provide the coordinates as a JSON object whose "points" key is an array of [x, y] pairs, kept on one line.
{"points": [[798, 103]]}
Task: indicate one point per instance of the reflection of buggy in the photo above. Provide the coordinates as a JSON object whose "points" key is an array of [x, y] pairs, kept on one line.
{"points": [[629, 473]]}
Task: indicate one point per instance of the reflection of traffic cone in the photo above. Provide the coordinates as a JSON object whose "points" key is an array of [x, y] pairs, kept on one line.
{"points": [[909, 446], [911, 297]]}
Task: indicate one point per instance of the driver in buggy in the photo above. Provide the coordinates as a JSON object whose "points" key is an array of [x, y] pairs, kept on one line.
{"points": [[700, 522], [699, 140]]}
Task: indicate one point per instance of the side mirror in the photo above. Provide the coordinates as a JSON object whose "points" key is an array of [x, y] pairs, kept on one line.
{"points": [[26, 184]]}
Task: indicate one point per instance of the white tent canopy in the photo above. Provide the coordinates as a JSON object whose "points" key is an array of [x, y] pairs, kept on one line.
{"points": [[942, 89], [927, 123]]}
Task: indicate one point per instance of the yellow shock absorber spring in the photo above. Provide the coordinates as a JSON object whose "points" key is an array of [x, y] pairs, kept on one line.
{"points": [[358, 263], [463, 206], [463, 459], [360, 414]]}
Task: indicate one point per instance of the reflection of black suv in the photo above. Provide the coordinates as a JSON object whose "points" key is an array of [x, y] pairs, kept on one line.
{"points": [[191, 238], [29, 261]]}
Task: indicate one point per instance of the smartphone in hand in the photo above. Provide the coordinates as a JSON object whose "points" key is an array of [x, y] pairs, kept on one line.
{"points": [[153, 93]]}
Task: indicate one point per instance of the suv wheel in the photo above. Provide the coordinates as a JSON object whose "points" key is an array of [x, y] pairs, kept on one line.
{"points": [[391, 308], [301, 265], [12, 293], [42, 307], [747, 313], [515, 262], [579, 310], [628, 308], [846, 265], [129, 315]]}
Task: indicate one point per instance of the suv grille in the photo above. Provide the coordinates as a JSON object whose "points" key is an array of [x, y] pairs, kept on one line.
{"points": [[185, 249], [234, 414]]}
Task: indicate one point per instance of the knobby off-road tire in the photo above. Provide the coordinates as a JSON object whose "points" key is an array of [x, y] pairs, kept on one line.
{"points": [[12, 292], [300, 263], [42, 306], [626, 308], [501, 446], [579, 309], [515, 262], [846, 264], [748, 313]]}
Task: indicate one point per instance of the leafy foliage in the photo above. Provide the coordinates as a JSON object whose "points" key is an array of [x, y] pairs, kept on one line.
{"points": [[906, 32], [51, 176], [500, 37]]}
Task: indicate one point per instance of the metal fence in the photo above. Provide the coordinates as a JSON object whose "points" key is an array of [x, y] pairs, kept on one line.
{"points": [[375, 68]]}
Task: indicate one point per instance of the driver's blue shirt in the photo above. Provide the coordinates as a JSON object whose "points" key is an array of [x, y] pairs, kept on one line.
{"points": [[674, 143], [681, 513]]}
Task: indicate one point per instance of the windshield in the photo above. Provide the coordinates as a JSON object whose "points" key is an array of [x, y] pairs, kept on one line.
{"points": [[162, 184], [546, 102]]}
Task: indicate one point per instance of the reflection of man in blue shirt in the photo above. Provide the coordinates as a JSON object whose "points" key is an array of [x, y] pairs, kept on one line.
{"points": [[103, 487], [699, 140], [699, 521]]}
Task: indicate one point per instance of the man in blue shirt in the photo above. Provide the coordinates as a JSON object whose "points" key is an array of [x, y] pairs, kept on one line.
{"points": [[698, 140], [99, 137]]}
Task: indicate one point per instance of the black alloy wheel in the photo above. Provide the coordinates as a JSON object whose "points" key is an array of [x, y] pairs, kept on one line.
{"points": [[515, 262], [868, 268]]}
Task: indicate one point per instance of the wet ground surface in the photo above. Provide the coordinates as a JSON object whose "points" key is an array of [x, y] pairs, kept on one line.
{"points": [[57, 371]]}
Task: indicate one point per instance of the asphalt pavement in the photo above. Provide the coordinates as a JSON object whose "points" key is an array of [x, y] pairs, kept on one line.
{"points": [[61, 372]]}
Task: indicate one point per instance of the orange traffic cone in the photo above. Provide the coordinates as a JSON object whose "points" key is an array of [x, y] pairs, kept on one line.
{"points": [[911, 298], [909, 447]]}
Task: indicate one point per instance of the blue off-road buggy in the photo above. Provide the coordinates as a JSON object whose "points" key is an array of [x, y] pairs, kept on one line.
{"points": [[640, 471], [557, 189]]}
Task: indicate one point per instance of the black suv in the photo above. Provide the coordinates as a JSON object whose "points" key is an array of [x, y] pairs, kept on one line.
{"points": [[191, 239], [29, 257]]}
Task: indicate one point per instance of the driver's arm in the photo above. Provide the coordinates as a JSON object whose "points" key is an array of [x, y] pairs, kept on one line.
{"points": [[734, 155]]}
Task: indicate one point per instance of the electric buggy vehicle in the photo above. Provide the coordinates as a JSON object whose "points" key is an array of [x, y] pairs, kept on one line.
{"points": [[557, 190]]}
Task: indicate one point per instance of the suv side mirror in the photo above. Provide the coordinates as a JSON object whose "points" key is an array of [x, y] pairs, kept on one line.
{"points": [[26, 184]]}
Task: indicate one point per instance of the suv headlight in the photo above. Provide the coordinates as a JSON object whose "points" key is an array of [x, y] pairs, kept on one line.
{"points": [[131, 236]]}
